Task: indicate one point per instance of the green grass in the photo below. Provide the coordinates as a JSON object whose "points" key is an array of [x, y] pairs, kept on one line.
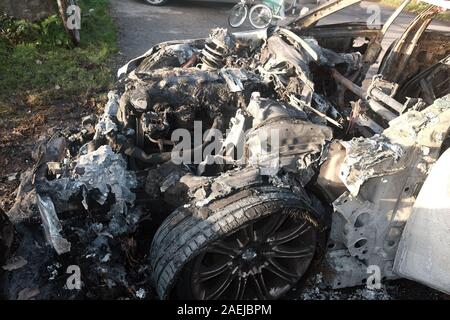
{"points": [[38, 60], [415, 6]]}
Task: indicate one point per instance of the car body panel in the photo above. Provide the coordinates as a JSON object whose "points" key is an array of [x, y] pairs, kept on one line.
{"points": [[423, 254]]}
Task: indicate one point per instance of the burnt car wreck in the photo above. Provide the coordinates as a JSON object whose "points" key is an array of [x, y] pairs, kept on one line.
{"points": [[295, 167]]}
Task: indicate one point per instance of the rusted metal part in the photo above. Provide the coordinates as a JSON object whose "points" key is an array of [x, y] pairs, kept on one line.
{"points": [[298, 103], [379, 95], [381, 110], [387, 87], [429, 84], [375, 106], [220, 44], [192, 60], [360, 92], [382, 91], [363, 120], [398, 57], [374, 47]]}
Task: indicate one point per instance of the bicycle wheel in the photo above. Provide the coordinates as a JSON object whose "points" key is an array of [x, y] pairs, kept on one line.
{"points": [[289, 5], [260, 16], [237, 15]]}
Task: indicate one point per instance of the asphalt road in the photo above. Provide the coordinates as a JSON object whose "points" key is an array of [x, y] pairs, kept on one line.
{"points": [[142, 26]]}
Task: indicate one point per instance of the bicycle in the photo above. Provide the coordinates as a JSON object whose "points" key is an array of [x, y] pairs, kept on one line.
{"points": [[261, 14]]}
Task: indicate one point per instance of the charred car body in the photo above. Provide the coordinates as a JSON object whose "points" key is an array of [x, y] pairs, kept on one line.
{"points": [[314, 173]]}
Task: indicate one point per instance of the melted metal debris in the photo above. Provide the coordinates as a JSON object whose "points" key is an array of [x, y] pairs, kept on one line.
{"points": [[367, 158]]}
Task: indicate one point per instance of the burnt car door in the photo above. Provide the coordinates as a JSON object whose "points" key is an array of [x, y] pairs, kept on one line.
{"points": [[418, 62]]}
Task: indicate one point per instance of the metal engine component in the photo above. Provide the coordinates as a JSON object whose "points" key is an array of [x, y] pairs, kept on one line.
{"points": [[219, 46]]}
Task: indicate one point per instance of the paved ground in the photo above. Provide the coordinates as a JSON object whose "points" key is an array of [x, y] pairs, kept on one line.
{"points": [[141, 25]]}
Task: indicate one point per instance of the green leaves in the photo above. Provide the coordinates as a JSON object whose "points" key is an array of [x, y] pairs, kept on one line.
{"points": [[38, 57], [48, 32]]}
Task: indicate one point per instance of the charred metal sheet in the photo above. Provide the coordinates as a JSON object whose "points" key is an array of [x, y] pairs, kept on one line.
{"points": [[52, 225], [401, 54], [96, 176], [429, 84], [328, 179], [368, 158], [6, 237], [301, 144], [374, 105], [132, 64], [168, 56]]}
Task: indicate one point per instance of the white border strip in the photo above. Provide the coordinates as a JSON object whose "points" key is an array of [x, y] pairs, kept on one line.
{"points": [[440, 3]]}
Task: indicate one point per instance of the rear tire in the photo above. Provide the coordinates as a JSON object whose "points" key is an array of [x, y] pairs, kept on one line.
{"points": [[260, 16], [191, 235], [237, 15]]}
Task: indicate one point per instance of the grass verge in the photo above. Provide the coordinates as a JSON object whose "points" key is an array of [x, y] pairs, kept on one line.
{"points": [[47, 86], [39, 65], [414, 7]]}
